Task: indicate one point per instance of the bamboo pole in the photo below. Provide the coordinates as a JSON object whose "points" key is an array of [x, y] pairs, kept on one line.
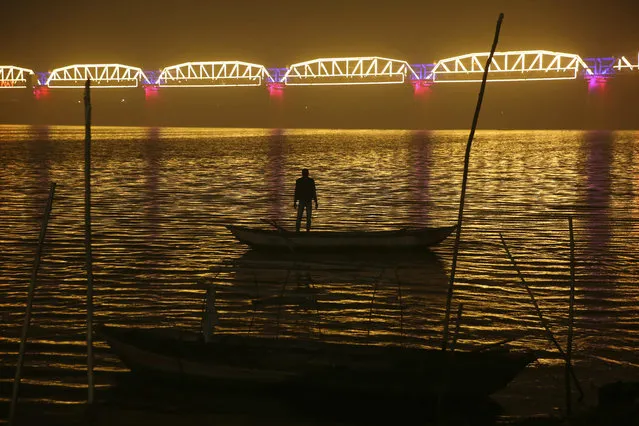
{"points": [[480, 98], [87, 235], [543, 321], [571, 315], [27, 315]]}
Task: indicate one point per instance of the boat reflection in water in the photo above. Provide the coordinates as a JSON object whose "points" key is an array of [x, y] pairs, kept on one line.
{"points": [[333, 327], [355, 296]]}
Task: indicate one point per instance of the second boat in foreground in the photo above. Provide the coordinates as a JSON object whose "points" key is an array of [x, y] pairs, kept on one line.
{"points": [[295, 364]]}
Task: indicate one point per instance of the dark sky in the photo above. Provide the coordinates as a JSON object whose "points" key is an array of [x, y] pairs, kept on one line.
{"points": [[42, 35]]}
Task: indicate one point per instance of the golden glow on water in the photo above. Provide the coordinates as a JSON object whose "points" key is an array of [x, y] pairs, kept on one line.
{"points": [[161, 198]]}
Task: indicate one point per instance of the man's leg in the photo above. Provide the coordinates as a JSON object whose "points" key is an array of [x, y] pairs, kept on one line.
{"points": [[309, 213], [300, 211]]}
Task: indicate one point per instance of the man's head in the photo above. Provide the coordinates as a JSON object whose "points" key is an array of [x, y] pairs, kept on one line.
{"points": [[305, 172]]}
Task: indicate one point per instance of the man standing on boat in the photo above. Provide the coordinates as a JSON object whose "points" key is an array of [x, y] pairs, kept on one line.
{"points": [[304, 193]]}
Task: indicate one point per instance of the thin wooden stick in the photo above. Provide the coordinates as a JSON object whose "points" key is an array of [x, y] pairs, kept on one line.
{"points": [[401, 307], [87, 235], [543, 321], [279, 308], [370, 312], [27, 315], [253, 310], [480, 98], [571, 315]]}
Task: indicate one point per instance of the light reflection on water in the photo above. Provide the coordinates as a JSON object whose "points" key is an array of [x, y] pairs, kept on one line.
{"points": [[161, 198]]}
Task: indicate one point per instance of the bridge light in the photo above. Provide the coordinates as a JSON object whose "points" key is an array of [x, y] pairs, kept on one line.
{"points": [[150, 92], [421, 87], [275, 90], [597, 83], [40, 92]]}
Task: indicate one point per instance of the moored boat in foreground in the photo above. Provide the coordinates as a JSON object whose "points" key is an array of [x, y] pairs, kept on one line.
{"points": [[287, 363], [335, 240]]}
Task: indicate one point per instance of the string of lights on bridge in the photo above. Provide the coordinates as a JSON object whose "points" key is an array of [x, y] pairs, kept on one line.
{"points": [[530, 65]]}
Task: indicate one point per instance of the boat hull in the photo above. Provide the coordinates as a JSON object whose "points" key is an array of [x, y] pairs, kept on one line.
{"points": [[327, 240], [315, 365]]}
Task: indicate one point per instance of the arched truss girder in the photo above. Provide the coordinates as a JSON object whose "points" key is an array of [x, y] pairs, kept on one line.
{"points": [[214, 74], [348, 71], [624, 63], [12, 77], [511, 66], [102, 76]]}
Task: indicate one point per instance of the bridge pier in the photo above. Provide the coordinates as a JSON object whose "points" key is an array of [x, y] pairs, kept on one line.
{"points": [[421, 88], [276, 105], [597, 113]]}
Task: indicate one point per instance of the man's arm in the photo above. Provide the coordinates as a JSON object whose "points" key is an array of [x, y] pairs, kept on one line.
{"points": [[314, 194]]}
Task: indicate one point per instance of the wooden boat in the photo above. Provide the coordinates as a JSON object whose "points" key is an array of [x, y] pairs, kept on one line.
{"points": [[335, 240], [313, 365]]}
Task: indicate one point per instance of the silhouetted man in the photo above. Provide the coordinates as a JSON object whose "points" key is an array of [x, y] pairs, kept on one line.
{"points": [[304, 193]]}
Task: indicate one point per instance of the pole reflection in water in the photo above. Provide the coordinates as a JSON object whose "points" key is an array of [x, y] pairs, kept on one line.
{"points": [[596, 264], [38, 164], [420, 154], [275, 166], [599, 156], [152, 155]]}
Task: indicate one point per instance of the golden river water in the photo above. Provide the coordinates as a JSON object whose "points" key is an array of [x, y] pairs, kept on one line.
{"points": [[161, 198]]}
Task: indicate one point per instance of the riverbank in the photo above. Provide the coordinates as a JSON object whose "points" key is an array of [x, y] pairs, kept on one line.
{"points": [[123, 400]]}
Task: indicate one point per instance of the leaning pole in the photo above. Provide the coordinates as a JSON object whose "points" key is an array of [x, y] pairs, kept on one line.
{"points": [[87, 235], [480, 98]]}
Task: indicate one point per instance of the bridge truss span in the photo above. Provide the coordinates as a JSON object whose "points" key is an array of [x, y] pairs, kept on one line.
{"points": [[624, 63], [511, 66], [349, 71], [102, 76], [214, 74], [12, 77]]}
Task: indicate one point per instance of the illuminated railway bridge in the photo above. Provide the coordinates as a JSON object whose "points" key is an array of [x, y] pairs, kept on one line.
{"points": [[529, 65]]}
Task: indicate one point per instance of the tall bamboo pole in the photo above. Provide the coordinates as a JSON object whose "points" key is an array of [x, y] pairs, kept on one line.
{"points": [[480, 98], [87, 235], [27, 315], [571, 315]]}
